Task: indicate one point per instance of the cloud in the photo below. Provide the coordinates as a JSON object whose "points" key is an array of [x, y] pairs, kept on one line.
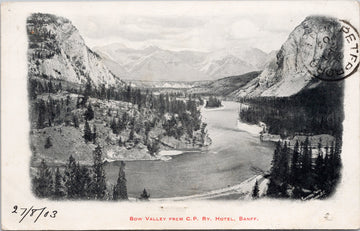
{"points": [[178, 32], [245, 29]]}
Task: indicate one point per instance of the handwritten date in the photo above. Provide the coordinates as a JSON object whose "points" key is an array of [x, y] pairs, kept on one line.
{"points": [[34, 213]]}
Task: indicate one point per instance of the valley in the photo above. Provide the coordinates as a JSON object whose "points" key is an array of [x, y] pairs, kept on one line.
{"points": [[184, 123]]}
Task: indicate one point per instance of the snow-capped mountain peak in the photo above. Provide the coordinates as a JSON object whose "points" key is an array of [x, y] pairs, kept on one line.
{"points": [[154, 63]]}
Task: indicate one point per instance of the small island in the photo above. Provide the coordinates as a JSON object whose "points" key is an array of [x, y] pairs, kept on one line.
{"points": [[213, 102]]}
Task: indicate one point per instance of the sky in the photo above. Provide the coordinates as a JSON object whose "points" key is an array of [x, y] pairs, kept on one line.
{"points": [[201, 26], [186, 32]]}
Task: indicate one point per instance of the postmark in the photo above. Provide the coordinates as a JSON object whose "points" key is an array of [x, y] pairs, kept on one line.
{"points": [[334, 53]]}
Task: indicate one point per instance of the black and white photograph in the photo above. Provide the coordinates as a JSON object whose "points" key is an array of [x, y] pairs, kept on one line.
{"points": [[159, 103]]}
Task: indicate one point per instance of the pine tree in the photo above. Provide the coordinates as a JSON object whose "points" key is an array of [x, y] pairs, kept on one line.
{"points": [[88, 90], [70, 175], [75, 121], [43, 182], [255, 191], [144, 195], [120, 142], [295, 170], [94, 134], [58, 187], [120, 190], [89, 113], [153, 147], [84, 182], [284, 164], [78, 104], [275, 164], [131, 134], [88, 136], [306, 163], [319, 171], [48, 143], [99, 179], [41, 114], [50, 87]]}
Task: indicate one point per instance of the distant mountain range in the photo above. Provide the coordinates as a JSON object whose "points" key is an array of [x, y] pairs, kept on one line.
{"points": [[57, 51], [156, 64]]}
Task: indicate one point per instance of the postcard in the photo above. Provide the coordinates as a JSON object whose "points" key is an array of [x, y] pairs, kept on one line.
{"points": [[180, 115]]}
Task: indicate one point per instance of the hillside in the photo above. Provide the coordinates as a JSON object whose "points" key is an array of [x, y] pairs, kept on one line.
{"points": [[76, 103]]}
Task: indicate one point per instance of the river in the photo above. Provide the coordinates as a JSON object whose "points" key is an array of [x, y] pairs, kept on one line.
{"points": [[234, 156]]}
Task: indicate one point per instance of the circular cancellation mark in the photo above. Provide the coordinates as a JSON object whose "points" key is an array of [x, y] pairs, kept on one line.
{"points": [[335, 53]]}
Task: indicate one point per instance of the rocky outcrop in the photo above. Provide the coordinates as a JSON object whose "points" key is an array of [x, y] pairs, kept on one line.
{"points": [[57, 51], [287, 73]]}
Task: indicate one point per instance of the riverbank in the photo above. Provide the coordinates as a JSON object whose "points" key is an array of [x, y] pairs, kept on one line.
{"points": [[216, 171], [239, 191], [253, 129]]}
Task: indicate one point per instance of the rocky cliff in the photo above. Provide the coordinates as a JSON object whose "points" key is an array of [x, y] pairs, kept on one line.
{"points": [[287, 73], [57, 51]]}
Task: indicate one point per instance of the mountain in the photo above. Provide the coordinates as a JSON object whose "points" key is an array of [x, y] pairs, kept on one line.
{"points": [[287, 71], [234, 61], [224, 86], [57, 51], [164, 65], [154, 64]]}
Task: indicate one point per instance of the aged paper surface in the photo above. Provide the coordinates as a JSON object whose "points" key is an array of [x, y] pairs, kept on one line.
{"points": [[186, 114]]}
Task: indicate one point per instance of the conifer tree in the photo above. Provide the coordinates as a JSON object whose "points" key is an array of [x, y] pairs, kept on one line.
{"points": [[48, 143], [153, 147], [89, 113], [88, 90], [78, 104], [84, 182], [70, 175], [41, 114], [284, 164], [295, 171], [306, 162], [94, 134], [144, 195], [88, 136], [50, 87], [58, 187], [255, 191], [75, 121], [120, 190], [131, 134], [120, 142], [275, 164], [319, 171], [99, 179], [43, 182]]}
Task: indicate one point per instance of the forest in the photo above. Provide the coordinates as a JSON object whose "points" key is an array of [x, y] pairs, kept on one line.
{"points": [[314, 111], [296, 171], [213, 102]]}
